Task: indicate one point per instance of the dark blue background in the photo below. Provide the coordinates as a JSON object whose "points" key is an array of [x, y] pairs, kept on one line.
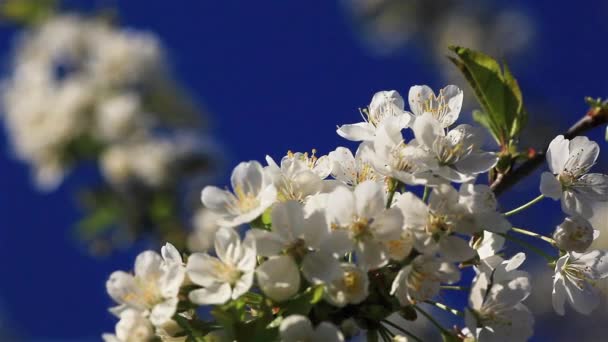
{"points": [[277, 75]]}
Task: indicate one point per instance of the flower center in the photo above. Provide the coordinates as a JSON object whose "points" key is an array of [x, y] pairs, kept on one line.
{"points": [[351, 281], [360, 227], [246, 201], [227, 273]]}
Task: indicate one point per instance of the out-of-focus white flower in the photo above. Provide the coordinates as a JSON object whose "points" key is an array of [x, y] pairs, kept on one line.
{"points": [[575, 234], [359, 219], [575, 275], [116, 116], [496, 311], [445, 107], [297, 178], [421, 279], [132, 327], [279, 277], [153, 288], [351, 287], [384, 104], [253, 194], [205, 226], [351, 170], [296, 328], [569, 162], [227, 276], [458, 152], [302, 237]]}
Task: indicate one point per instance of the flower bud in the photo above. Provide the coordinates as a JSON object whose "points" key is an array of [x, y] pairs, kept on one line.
{"points": [[574, 234], [279, 278]]}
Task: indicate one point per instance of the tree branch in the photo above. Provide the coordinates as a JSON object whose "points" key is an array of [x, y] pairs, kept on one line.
{"points": [[595, 117]]}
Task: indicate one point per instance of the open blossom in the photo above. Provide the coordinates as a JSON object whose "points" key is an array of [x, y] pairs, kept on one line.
{"points": [[351, 287], [360, 220], [458, 152], [574, 280], [433, 226], [298, 176], [302, 237], [153, 288], [132, 327], [392, 157], [296, 328], [253, 194], [575, 234], [445, 107], [421, 279], [351, 170], [569, 181], [496, 312], [227, 276], [385, 104]]}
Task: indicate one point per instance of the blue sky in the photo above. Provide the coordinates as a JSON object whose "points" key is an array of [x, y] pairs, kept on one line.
{"points": [[276, 76]]}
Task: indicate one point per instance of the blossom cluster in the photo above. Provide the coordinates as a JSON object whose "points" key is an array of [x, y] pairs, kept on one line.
{"points": [[376, 232], [80, 88]]}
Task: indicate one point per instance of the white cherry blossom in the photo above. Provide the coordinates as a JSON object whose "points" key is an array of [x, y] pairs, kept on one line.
{"points": [[253, 194], [297, 328], [575, 278], [153, 288], [360, 219], [385, 104], [575, 234], [297, 178], [496, 312], [421, 279], [351, 170], [444, 107], [569, 181], [227, 276], [351, 287], [132, 327], [458, 152]]}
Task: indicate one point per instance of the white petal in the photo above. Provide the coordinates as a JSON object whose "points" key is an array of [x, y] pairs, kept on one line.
{"points": [[583, 154], [478, 162], [341, 206], [171, 280], [227, 245], [388, 225], [417, 96], [371, 254], [550, 186], [426, 129], [217, 199], [557, 154], [279, 278], [267, 243], [454, 248], [414, 210], [248, 177], [162, 313], [295, 328], [361, 131], [583, 300], [242, 285], [369, 199], [213, 295], [147, 265], [558, 297], [337, 242], [202, 269], [171, 254], [120, 285], [319, 267], [327, 332]]}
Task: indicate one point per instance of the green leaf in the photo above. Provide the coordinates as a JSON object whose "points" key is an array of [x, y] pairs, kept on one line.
{"points": [[497, 91], [303, 303], [26, 11]]}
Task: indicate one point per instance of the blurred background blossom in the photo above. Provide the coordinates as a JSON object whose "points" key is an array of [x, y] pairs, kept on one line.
{"points": [[102, 99]]}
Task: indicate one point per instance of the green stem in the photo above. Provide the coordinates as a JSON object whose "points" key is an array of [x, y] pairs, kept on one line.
{"points": [[425, 195], [401, 329], [392, 188], [432, 320], [525, 206], [536, 235], [534, 249], [446, 308]]}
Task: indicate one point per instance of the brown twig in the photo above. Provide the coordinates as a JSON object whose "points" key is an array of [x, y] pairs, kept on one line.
{"points": [[595, 117]]}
